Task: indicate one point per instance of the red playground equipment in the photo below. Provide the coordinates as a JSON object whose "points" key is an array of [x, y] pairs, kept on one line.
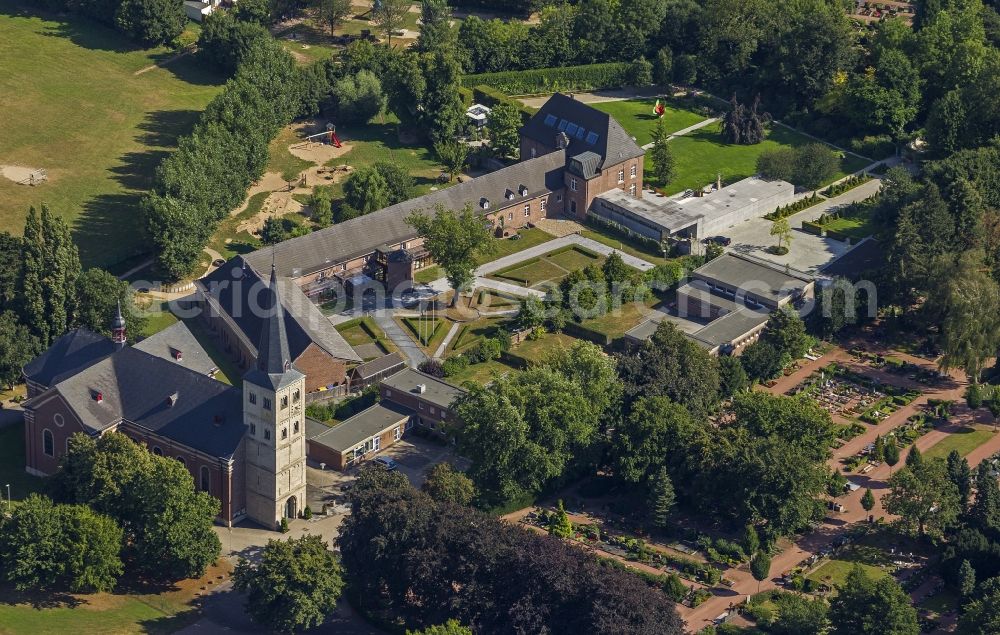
{"points": [[327, 136]]}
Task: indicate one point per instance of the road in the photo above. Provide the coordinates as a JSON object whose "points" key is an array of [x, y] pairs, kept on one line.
{"points": [[835, 525]]}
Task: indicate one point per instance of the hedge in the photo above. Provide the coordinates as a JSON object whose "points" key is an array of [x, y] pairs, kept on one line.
{"points": [[584, 333], [547, 80], [838, 235], [488, 96], [793, 208], [848, 184], [811, 227]]}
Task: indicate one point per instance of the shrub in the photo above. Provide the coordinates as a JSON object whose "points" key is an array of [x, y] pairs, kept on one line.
{"points": [[454, 365], [284, 525], [359, 98], [777, 164], [432, 367], [307, 513]]}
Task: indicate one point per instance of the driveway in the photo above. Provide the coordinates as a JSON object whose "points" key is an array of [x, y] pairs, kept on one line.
{"points": [[808, 253]]}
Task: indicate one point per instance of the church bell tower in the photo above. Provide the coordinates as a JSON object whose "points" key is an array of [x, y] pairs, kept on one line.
{"points": [[274, 414]]}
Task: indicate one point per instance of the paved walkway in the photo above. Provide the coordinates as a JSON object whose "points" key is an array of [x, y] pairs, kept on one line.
{"points": [[403, 342], [552, 245], [688, 130], [447, 340]]}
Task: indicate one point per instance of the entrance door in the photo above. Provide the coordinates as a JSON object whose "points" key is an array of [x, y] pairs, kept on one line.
{"points": [[291, 510]]}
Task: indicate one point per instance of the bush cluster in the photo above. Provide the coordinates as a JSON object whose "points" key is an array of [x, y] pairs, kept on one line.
{"points": [[808, 166], [147, 21], [847, 184], [793, 208], [547, 80]]}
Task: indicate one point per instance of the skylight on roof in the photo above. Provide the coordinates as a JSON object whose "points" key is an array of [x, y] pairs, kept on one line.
{"points": [[592, 138], [550, 120], [562, 125], [580, 132], [571, 129]]}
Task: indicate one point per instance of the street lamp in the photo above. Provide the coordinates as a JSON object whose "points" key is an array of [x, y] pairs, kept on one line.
{"points": [[8, 497]]}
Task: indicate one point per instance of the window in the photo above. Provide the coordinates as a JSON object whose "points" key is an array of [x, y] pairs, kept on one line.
{"points": [[572, 184], [562, 125], [252, 396], [397, 433], [591, 138], [550, 120], [253, 429], [388, 393], [558, 198], [267, 403], [432, 409], [420, 405], [532, 153], [284, 433], [267, 434], [157, 451], [48, 443], [571, 129], [632, 171], [376, 443], [284, 401], [631, 190], [510, 215], [580, 132], [296, 396], [295, 427], [542, 204], [527, 209], [621, 176], [58, 419], [205, 479]]}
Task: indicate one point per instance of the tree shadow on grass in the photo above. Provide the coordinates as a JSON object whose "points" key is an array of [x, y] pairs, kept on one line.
{"points": [[192, 69], [87, 34], [38, 599], [162, 128], [106, 226]]}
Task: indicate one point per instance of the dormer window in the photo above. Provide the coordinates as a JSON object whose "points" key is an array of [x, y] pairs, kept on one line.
{"points": [[508, 195], [523, 190], [172, 400], [178, 356], [484, 203]]}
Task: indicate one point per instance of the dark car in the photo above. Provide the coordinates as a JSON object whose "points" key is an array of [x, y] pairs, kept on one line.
{"points": [[724, 241], [385, 463]]}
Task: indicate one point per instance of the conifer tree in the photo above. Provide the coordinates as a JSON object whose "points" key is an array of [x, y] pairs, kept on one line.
{"points": [[32, 279], [868, 500], [661, 499], [561, 527]]}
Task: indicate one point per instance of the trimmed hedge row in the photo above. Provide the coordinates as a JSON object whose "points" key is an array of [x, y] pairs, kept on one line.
{"points": [[545, 80], [851, 183], [794, 208], [812, 227], [582, 332], [838, 235]]}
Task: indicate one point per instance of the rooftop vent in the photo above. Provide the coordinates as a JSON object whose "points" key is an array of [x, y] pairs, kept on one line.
{"points": [[99, 397], [523, 190], [484, 203], [562, 141], [421, 388], [172, 400], [178, 356]]}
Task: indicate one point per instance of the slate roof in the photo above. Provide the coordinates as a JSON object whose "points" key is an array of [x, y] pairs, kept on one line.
{"points": [[177, 338], [206, 414], [438, 392], [239, 288], [362, 426], [759, 277], [380, 365], [613, 143], [69, 354], [273, 368], [362, 235]]}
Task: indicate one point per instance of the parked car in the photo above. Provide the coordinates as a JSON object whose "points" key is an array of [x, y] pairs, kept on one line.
{"points": [[516, 237], [385, 463], [724, 241]]}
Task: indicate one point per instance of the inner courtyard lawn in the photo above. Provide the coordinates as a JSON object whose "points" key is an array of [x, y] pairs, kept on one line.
{"points": [[636, 116], [548, 268], [702, 154], [73, 105]]}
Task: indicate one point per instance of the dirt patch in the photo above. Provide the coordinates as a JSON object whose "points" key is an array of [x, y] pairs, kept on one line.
{"points": [[559, 228], [276, 204], [270, 182], [319, 153], [18, 173]]}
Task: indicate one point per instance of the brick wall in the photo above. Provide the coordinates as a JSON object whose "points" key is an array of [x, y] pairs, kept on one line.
{"points": [[53, 416], [320, 368], [512, 216], [615, 176]]}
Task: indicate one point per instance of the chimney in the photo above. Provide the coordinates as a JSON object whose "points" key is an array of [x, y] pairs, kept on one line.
{"points": [[562, 141], [421, 388], [178, 356]]}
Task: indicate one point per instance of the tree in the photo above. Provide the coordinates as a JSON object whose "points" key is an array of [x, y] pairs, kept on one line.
{"points": [[923, 497], [671, 365], [663, 66], [435, 27], [451, 627], [359, 97], [787, 333], [321, 207], [781, 229], [560, 526], [868, 500], [504, 128], [255, 11], [732, 376], [658, 433], [99, 295], [981, 616], [960, 474], [777, 164], [661, 499], [388, 16], [453, 156], [761, 360], [891, 453], [151, 21], [366, 190], [455, 240], [967, 301], [914, 459], [398, 181], [332, 12], [751, 540], [660, 154], [864, 606], [742, 125], [294, 586], [760, 567], [17, 347], [446, 484], [967, 579], [799, 615], [587, 366], [815, 163], [443, 114]]}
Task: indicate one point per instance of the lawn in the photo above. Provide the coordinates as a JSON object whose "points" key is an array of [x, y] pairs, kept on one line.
{"points": [[364, 330], [158, 317], [480, 373], [100, 613], [551, 267], [625, 245], [833, 572], [281, 160], [74, 106], [615, 323], [227, 241], [636, 116], [702, 154], [854, 226], [530, 237], [535, 351], [12, 470], [428, 332], [965, 440], [471, 333]]}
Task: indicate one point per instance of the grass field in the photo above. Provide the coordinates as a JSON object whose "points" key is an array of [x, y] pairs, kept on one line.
{"points": [[110, 613], [364, 330], [550, 268], [73, 105], [702, 154], [965, 440], [636, 116], [535, 351], [834, 571], [12, 469], [428, 332], [530, 237], [480, 373], [853, 226], [472, 333], [158, 318]]}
